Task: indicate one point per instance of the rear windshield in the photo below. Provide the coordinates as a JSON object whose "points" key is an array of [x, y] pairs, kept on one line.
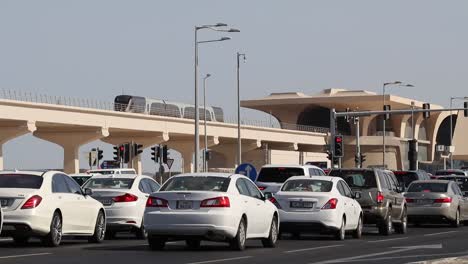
{"points": [[191, 183], [307, 186], [406, 177], [428, 187], [109, 183], [461, 181], [356, 178], [279, 174], [102, 172], [449, 172], [25, 181]]}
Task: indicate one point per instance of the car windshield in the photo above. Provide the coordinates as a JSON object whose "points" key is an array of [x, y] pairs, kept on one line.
{"points": [[278, 174], [356, 178], [449, 172], [80, 179], [102, 172], [109, 183], [307, 186], [461, 181], [197, 183], [428, 187], [406, 177], [25, 181]]}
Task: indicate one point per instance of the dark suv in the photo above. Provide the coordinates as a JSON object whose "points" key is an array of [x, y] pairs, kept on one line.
{"points": [[407, 177], [381, 198]]}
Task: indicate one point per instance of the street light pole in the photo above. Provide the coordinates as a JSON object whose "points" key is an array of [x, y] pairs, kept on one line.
{"points": [[239, 139], [197, 114], [204, 115]]}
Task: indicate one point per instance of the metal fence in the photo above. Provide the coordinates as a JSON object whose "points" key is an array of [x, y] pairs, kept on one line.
{"points": [[138, 109]]}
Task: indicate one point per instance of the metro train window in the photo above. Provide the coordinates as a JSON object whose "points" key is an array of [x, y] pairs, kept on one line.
{"points": [[137, 104], [158, 109], [172, 110], [218, 114]]}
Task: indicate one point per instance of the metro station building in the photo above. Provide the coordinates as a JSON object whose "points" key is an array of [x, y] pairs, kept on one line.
{"points": [[314, 110]]}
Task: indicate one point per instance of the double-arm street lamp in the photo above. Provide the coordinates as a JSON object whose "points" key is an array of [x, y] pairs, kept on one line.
{"points": [[385, 85], [465, 98], [216, 27]]}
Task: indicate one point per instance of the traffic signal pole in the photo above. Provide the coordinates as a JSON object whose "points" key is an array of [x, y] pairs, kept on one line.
{"points": [[358, 144], [332, 136]]}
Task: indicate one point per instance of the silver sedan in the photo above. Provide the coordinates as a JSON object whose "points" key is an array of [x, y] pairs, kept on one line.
{"points": [[436, 200]]}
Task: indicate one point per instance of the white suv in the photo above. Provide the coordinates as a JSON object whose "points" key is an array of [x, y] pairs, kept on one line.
{"points": [[271, 177]]}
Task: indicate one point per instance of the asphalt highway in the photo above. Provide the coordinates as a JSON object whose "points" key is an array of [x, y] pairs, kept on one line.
{"points": [[420, 243]]}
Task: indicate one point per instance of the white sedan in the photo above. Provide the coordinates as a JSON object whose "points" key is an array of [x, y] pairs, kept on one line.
{"points": [[210, 206], [124, 199], [1, 219], [320, 205], [48, 205]]}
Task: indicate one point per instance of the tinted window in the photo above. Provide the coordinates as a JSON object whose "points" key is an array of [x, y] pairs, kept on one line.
{"points": [[253, 190], [356, 178], [406, 177], [307, 185], [59, 185], [144, 187], [315, 172], [25, 181], [449, 172], [383, 180], [242, 188], [153, 185], [461, 181], [347, 191], [72, 185], [81, 179], [191, 183], [428, 187], [109, 183], [279, 174], [392, 181]]}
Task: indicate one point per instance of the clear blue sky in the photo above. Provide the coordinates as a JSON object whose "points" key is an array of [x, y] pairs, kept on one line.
{"points": [[97, 49]]}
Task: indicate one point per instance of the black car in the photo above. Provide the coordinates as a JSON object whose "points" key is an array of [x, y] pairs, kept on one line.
{"points": [[407, 177]]}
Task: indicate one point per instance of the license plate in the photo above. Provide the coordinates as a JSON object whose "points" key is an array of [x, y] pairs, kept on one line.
{"points": [[106, 202], [424, 201], [3, 202], [184, 204], [302, 204]]}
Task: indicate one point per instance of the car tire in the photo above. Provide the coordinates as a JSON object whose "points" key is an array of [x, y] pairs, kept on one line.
{"points": [[357, 233], [193, 243], [141, 232], [456, 222], [270, 242], [402, 227], [20, 240], [341, 233], [386, 227], [238, 242], [157, 242], [54, 237], [99, 229]]}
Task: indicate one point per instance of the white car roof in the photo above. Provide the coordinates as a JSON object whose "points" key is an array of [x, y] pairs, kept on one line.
{"points": [[116, 176], [323, 178], [83, 174], [290, 166]]}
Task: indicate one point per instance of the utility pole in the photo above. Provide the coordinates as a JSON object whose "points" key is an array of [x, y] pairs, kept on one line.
{"points": [[358, 144]]}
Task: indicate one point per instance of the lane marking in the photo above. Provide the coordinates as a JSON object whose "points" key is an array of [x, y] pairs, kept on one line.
{"points": [[314, 248], [458, 254], [441, 233], [385, 240], [25, 255], [6, 239], [220, 260]]}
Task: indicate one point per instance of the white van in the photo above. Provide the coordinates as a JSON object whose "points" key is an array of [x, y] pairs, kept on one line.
{"points": [[271, 177]]}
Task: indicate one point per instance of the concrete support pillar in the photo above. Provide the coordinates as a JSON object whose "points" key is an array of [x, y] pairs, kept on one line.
{"points": [[185, 147], [10, 130], [71, 140]]}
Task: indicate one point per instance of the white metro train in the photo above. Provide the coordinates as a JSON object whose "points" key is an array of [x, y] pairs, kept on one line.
{"points": [[138, 104]]}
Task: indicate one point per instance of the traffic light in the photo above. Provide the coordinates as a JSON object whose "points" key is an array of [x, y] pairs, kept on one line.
{"points": [[155, 153], [116, 152], [207, 155], [412, 154], [126, 155], [387, 108], [100, 154], [329, 155], [427, 114], [137, 149], [164, 154], [338, 146], [465, 111]]}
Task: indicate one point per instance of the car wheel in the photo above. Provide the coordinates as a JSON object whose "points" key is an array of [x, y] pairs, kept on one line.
{"points": [[341, 233], [238, 242], [156, 242], [20, 240], [193, 243], [141, 232], [456, 222], [402, 227], [270, 242], [358, 231], [99, 229], [54, 237], [386, 227]]}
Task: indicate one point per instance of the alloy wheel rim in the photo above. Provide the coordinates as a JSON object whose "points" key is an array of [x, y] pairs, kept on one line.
{"points": [[57, 230], [242, 234], [360, 226], [274, 233], [101, 227], [342, 231]]}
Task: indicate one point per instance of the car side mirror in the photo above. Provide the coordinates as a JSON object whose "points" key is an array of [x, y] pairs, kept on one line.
{"points": [[88, 191], [268, 195], [357, 195]]}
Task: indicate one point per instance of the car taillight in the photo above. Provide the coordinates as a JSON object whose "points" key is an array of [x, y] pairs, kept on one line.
{"points": [[261, 188], [443, 200], [125, 198], [275, 202], [156, 202], [222, 201], [32, 202], [380, 197], [409, 200], [331, 204]]}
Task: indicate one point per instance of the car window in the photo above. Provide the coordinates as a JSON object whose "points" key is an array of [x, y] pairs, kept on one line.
{"points": [[428, 187], [383, 180], [307, 185], [340, 189], [347, 191], [455, 189], [407, 177], [24, 181], [242, 188], [153, 185], [278, 174], [356, 178], [109, 183], [197, 183], [59, 185], [72, 185], [144, 187], [315, 172], [393, 181], [253, 190]]}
